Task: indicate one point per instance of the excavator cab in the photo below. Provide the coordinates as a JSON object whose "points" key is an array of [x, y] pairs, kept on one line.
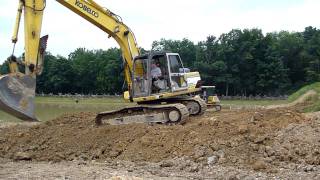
{"points": [[158, 73]]}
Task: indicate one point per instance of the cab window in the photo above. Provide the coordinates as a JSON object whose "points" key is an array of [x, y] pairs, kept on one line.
{"points": [[175, 64]]}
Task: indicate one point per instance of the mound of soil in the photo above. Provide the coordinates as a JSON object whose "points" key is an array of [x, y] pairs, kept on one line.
{"points": [[255, 139]]}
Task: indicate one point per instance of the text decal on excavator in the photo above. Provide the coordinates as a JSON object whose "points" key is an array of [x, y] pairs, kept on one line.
{"points": [[87, 9]]}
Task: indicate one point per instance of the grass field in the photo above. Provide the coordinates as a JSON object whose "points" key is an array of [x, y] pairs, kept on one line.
{"points": [[66, 100], [119, 100], [313, 102], [253, 102], [51, 107]]}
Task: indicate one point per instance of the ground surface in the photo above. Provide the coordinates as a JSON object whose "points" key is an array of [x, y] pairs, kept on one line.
{"points": [[236, 144]]}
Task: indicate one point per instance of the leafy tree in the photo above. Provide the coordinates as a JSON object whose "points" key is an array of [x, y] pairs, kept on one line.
{"points": [[239, 62], [4, 68], [311, 54], [110, 72], [58, 76], [185, 48]]}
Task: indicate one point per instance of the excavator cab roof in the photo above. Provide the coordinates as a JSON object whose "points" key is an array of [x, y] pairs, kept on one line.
{"points": [[152, 55]]}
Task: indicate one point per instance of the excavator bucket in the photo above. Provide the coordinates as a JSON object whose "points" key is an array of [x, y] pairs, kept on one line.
{"points": [[17, 93]]}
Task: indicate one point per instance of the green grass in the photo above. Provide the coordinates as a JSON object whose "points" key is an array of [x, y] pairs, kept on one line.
{"points": [[120, 100], [300, 92], [48, 108], [68, 100], [313, 108], [253, 102], [314, 101]]}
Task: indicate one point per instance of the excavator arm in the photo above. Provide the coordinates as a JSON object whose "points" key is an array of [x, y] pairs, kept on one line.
{"points": [[17, 89], [111, 24]]}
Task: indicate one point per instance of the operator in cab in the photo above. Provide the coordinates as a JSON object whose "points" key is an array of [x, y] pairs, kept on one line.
{"points": [[155, 71], [158, 83]]}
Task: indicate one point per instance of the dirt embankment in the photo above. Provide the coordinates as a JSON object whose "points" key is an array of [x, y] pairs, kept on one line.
{"points": [[254, 139]]}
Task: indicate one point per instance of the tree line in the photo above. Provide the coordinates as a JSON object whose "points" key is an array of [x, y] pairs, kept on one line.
{"points": [[240, 62]]}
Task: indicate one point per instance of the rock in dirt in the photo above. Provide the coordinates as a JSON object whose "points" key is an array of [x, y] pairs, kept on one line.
{"points": [[166, 164], [259, 165], [243, 129], [22, 156], [212, 160]]}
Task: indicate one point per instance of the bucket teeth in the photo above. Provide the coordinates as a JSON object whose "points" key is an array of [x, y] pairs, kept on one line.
{"points": [[17, 93]]}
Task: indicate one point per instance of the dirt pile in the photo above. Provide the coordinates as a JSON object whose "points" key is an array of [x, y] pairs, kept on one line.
{"points": [[259, 140]]}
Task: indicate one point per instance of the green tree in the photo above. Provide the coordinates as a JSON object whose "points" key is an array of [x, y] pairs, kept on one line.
{"points": [[58, 76], [110, 78], [239, 62], [272, 77], [311, 54], [185, 48], [4, 68]]}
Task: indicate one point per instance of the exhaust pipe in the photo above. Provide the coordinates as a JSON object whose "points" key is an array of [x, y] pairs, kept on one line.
{"points": [[17, 93]]}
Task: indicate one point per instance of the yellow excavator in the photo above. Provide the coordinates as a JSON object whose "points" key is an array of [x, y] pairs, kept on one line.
{"points": [[165, 91]]}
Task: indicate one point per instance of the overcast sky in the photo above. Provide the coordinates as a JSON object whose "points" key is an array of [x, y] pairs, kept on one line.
{"points": [[153, 19]]}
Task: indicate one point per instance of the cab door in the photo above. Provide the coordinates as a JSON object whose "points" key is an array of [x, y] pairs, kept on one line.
{"points": [[140, 78], [176, 72]]}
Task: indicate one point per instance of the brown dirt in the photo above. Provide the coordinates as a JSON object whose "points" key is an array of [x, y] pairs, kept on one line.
{"points": [[259, 140]]}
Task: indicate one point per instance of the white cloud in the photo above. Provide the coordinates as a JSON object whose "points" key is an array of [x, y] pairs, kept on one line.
{"points": [[151, 20]]}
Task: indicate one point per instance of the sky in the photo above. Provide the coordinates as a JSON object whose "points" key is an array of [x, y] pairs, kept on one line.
{"points": [[152, 20]]}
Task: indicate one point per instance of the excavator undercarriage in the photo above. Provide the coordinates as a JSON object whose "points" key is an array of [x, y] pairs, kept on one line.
{"points": [[165, 114], [174, 111]]}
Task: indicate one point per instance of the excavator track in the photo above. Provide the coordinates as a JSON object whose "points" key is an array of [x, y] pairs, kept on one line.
{"points": [[196, 106], [215, 107], [165, 113]]}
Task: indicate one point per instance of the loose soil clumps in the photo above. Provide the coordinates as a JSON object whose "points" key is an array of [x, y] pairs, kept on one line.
{"points": [[256, 139]]}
